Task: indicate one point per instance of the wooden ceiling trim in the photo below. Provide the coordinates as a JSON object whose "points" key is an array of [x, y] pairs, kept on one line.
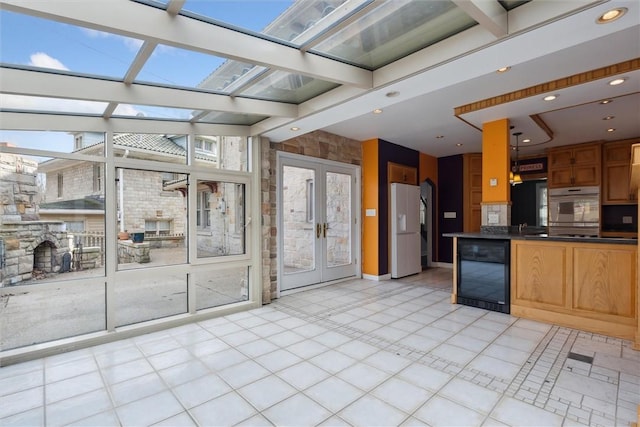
{"points": [[574, 80]]}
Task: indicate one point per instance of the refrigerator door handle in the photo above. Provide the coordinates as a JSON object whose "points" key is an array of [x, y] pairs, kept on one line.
{"points": [[318, 230], [324, 230]]}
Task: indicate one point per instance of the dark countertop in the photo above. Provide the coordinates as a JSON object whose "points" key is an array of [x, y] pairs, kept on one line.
{"points": [[543, 236]]}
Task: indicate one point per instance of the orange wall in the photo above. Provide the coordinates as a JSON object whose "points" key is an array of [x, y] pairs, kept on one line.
{"points": [[370, 238], [495, 161]]}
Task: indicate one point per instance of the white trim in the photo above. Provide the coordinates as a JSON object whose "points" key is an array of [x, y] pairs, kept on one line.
{"points": [[282, 156], [377, 278]]}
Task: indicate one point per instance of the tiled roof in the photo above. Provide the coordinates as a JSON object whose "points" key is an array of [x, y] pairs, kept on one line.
{"points": [[150, 142]]}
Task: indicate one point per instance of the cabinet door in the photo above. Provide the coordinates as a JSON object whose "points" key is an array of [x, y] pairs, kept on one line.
{"points": [[616, 184], [589, 154], [617, 153], [560, 158], [560, 177], [402, 174], [586, 175]]}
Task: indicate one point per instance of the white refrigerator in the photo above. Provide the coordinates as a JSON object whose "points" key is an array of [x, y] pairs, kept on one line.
{"points": [[405, 230]]}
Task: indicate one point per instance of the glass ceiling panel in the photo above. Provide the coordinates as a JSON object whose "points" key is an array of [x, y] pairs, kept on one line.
{"points": [[181, 67], [36, 104], [153, 112], [282, 86], [252, 15], [36, 42], [230, 76], [216, 117], [394, 30]]}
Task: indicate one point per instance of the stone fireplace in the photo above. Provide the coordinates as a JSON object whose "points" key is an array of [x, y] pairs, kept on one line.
{"points": [[27, 244]]}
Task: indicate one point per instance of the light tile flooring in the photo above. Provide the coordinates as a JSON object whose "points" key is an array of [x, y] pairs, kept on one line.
{"points": [[358, 353]]}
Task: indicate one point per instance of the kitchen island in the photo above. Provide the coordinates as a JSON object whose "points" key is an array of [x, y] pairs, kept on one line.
{"points": [[588, 283]]}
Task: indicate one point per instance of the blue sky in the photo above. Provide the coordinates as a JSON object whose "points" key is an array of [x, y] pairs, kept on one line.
{"points": [[26, 40]]}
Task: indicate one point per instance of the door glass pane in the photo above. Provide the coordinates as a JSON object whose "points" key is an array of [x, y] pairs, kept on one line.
{"points": [[299, 226], [220, 287], [221, 218], [338, 233], [152, 220]]}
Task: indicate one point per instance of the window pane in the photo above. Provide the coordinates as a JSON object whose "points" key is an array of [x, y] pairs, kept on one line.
{"points": [[220, 287], [222, 152], [144, 200], [35, 314], [141, 300], [53, 222], [88, 143], [224, 211]]}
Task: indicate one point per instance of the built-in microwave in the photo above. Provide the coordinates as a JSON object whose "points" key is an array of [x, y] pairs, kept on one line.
{"points": [[574, 211]]}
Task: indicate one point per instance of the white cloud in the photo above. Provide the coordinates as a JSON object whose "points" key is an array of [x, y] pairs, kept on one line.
{"points": [[41, 59], [130, 43], [36, 103]]}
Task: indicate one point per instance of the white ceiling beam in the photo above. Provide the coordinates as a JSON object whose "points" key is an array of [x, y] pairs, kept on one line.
{"points": [[66, 123], [144, 53], [37, 83], [174, 6], [488, 13], [147, 23]]}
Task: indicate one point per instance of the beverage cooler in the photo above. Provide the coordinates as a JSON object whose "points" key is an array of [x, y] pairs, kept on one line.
{"points": [[483, 273]]}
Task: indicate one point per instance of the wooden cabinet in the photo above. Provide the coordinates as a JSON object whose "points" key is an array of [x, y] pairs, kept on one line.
{"points": [[472, 192], [574, 165], [402, 174], [616, 172], [590, 286]]}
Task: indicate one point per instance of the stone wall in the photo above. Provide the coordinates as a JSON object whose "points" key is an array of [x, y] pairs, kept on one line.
{"points": [[317, 144]]}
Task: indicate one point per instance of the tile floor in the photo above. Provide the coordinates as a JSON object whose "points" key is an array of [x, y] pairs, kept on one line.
{"points": [[358, 353]]}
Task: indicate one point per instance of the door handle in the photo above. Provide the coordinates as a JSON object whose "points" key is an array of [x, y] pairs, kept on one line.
{"points": [[318, 230], [324, 230]]}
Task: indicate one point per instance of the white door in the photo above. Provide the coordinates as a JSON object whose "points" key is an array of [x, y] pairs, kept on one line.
{"points": [[317, 222]]}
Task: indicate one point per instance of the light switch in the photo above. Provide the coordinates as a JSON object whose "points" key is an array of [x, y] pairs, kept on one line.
{"points": [[450, 215], [493, 182], [627, 220], [370, 212]]}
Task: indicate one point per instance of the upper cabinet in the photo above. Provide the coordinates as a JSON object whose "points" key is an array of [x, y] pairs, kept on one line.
{"points": [[616, 172], [574, 165], [402, 174]]}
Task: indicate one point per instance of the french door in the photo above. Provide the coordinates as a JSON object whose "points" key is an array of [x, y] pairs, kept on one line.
{"points": [[317, 236]]}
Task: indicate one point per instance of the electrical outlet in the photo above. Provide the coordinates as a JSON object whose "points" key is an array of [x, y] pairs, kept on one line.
{"points": [[627, 220]]}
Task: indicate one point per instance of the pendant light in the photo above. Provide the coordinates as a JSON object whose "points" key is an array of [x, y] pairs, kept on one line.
{"points": [[514, 175]]}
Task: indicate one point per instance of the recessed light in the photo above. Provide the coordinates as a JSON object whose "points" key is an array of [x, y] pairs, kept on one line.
{"points": [[550, 97], [458, 145], [611, 15], [503, 69], [608, 118], [439, 136], [606, 101], [295, 128], [392, 94], [377, 111], [611, 130], [617, 82], [526, 140]]}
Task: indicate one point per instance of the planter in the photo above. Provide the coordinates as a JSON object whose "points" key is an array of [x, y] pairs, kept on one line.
{"points": [[123, 235], [137, 237]]}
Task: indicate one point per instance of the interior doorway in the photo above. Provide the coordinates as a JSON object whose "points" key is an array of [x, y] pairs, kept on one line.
{"points": [[427, 229], [318, 221]]}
